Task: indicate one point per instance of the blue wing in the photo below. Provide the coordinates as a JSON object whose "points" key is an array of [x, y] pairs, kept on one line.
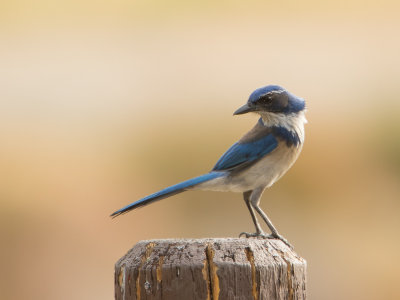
{"points": [[244, 153]]}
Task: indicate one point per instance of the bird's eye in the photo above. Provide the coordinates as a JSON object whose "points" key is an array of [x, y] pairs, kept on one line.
{"points": [[266, 99]]}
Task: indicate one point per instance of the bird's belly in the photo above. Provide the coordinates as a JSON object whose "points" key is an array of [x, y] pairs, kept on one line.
{"points": [[269, 169]]}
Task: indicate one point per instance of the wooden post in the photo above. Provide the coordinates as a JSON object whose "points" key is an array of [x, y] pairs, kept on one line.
{"points": [[229, 268]]}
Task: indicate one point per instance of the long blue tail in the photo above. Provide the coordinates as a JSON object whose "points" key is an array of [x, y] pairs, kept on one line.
{"points": [[169, 191]]}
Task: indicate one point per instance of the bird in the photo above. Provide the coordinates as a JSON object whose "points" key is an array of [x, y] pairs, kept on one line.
{"points": [[256, 161]]}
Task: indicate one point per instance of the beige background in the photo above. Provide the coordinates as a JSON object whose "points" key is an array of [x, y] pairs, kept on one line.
{"points": [[103, 102]]}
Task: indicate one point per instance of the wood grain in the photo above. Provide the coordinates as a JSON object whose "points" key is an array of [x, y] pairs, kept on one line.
{"points": [[229, 268]]}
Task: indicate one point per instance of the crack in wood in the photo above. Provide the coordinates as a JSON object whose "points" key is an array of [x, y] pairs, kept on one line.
{"points": [[149, 249], [206, 275], [288, 273], [290, 281], [159, 269], [212, 273], [250, 258]]}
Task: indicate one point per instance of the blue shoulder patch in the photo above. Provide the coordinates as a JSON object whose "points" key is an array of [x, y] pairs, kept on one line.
{"points": [[242, 154], [291, 138]]}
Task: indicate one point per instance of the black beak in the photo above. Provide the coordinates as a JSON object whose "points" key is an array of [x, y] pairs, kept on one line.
{"points": [[244, 110]]}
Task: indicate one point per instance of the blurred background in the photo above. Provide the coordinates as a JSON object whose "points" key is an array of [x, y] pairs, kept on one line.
{"points": [[103, 102]]}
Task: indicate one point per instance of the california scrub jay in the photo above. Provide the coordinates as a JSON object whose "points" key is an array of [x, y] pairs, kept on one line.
{"points": [[257, 160]]}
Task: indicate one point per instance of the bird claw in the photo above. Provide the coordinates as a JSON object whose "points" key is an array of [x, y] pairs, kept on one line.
{"points": [[262, 235]]}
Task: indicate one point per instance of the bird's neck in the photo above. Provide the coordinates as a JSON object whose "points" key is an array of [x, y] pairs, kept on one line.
{"points": [[293, 122]]}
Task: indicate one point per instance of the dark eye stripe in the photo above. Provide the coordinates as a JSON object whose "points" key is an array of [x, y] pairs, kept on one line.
{"points": [[265, 99]]}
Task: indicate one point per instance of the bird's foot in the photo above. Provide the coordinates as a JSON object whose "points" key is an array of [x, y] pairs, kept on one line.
{"points": [[262, 235]]}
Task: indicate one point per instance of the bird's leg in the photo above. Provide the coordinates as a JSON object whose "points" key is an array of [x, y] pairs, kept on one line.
{"points": [[259, 231], [254, 202]]}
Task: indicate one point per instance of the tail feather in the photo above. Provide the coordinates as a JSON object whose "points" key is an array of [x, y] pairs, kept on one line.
{"points": [[167, 192]]}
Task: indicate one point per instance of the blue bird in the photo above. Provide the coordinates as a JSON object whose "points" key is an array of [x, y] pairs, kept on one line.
{"points": [[257, 160]]}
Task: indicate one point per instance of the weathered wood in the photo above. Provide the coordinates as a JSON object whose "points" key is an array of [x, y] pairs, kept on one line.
{"points": [[210, 269]]}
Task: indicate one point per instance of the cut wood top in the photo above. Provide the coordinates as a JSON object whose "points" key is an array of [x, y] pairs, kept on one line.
{"points": [[212, 268]]}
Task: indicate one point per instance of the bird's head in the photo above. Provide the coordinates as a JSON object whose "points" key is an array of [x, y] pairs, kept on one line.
{"points": [[272, 99]]}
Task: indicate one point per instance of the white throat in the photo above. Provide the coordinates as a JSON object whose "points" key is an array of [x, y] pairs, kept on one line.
{"points": [[293, 122]]}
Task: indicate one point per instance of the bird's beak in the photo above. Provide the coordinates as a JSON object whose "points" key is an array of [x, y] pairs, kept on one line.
{"points": [[244, 109]]}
